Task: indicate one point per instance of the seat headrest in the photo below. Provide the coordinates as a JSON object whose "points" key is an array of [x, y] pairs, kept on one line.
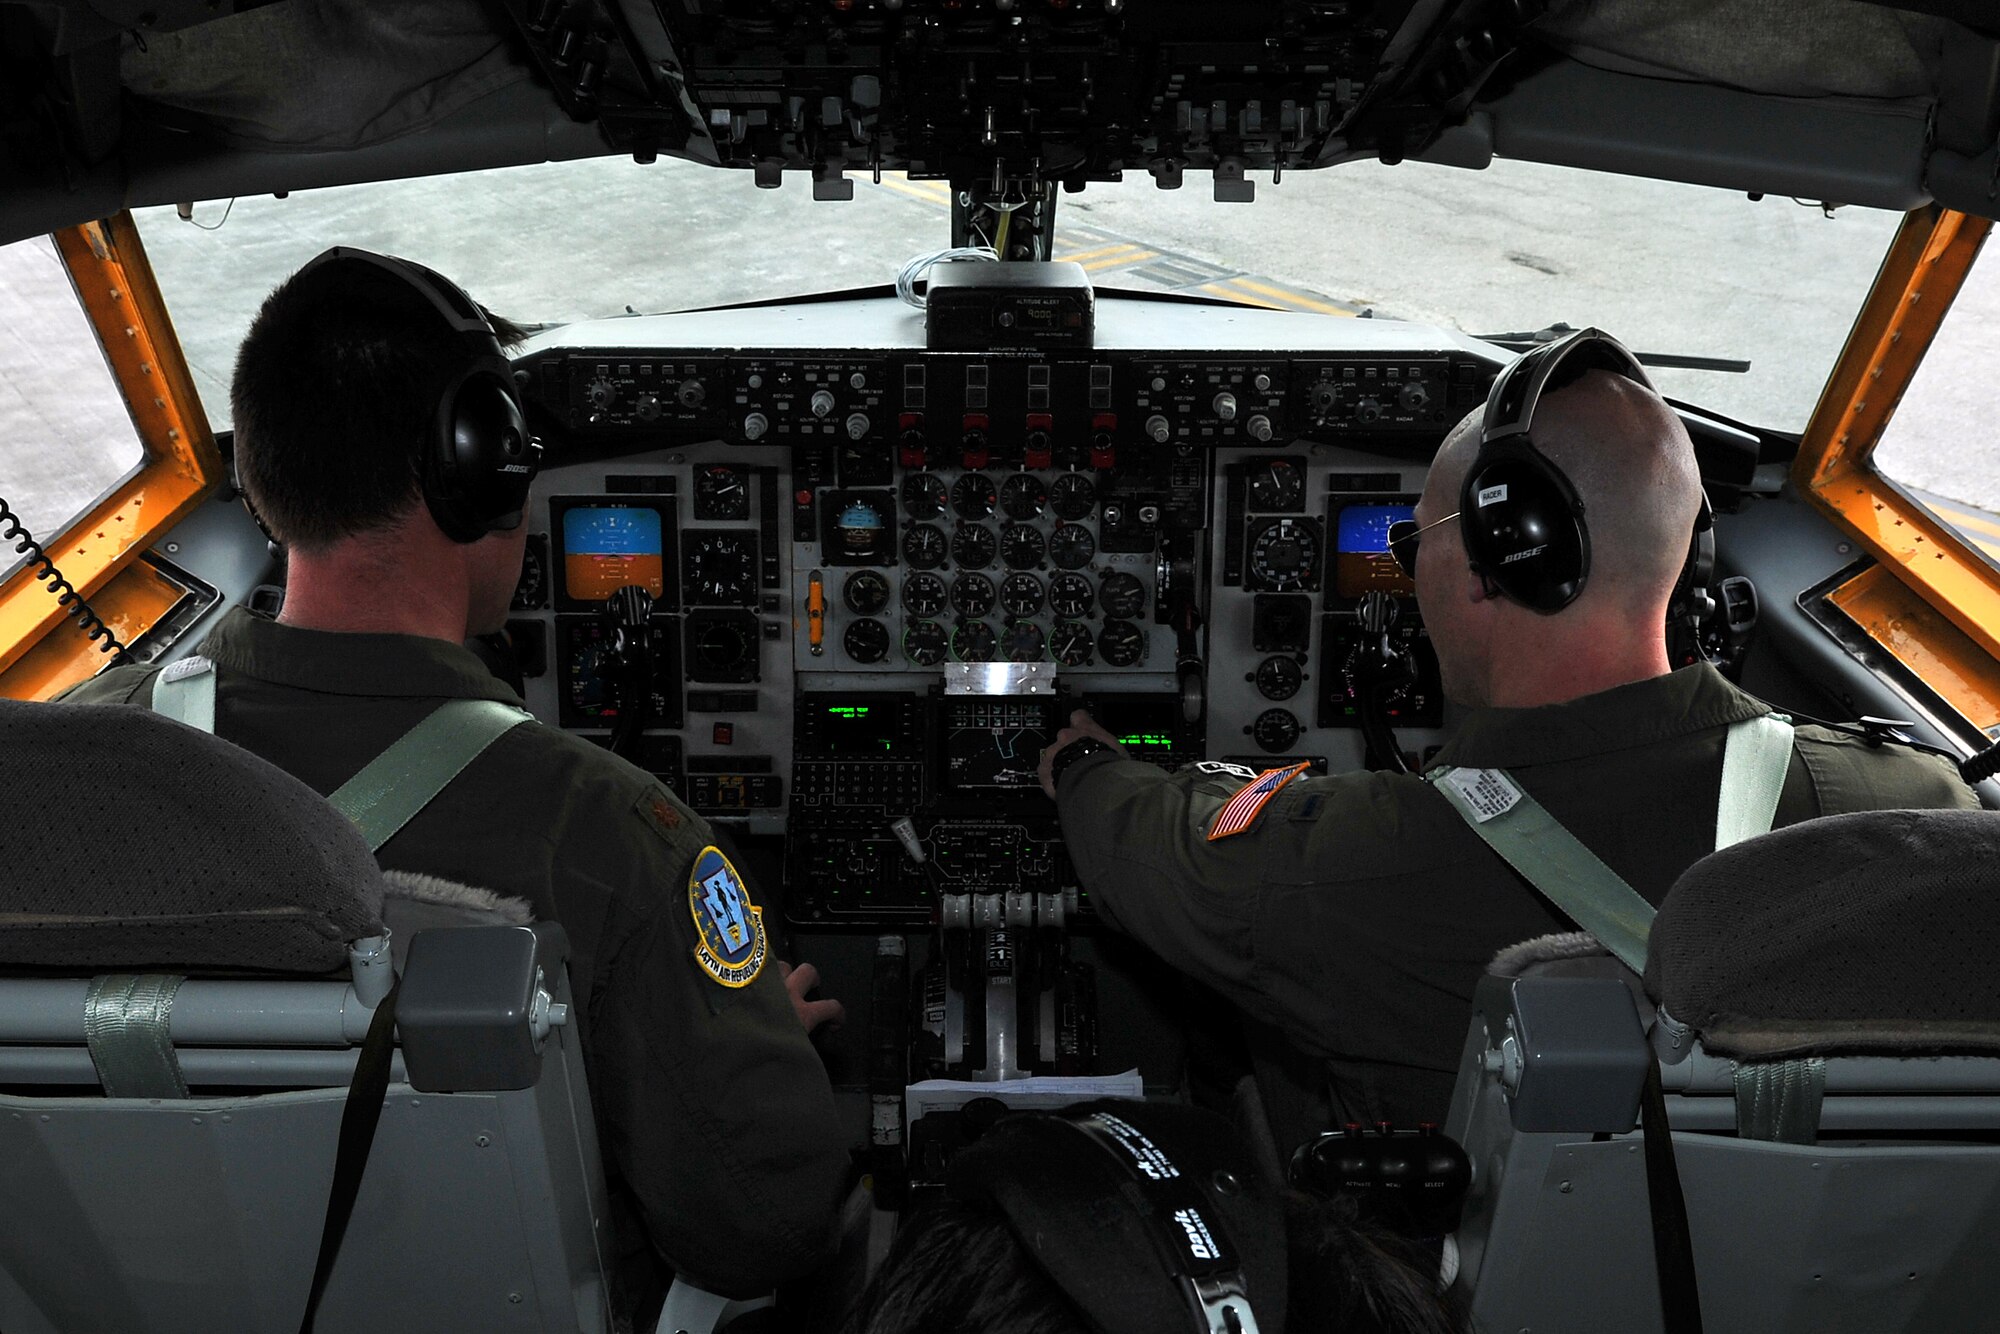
{"points": [[131, 841], [1873, 932]]}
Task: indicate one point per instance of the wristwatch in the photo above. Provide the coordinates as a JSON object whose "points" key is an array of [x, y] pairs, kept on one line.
{"points": [[1070, 754]]}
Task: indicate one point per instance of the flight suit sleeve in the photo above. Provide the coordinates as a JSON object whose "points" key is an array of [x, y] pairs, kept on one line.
{"points": [[713, 1104], [1138, 837]]}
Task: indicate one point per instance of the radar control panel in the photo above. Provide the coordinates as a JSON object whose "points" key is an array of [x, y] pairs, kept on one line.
{"points": [[846, 593]]}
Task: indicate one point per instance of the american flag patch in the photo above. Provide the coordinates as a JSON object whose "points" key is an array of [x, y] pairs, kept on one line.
{"points": [[1241, 812]]}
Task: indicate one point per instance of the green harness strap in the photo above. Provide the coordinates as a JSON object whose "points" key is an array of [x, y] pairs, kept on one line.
{"points": [[405, 778], [1755, 759], [395, 785]]}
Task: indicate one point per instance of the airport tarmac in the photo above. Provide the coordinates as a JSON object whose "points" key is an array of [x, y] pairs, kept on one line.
{"points": [[1670, 268]]}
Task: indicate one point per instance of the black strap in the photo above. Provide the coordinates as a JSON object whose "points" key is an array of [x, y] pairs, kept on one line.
{"points": [[363, 1112], [1673, 1249]]}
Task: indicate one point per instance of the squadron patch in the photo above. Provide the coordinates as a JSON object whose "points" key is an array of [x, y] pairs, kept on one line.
{"points": [[733, 947], [1242, 809]]}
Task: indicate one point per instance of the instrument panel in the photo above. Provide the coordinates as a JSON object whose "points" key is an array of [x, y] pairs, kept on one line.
{"points": [[846, 595]]}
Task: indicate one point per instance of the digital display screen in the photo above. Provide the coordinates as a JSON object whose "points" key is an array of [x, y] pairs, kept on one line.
{"points": [[995, 745], [1361, 559], [1143, 724], [606, 547], [858, 731]]}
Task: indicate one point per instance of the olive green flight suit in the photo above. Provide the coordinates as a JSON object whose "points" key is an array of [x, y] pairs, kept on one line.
{"points": [[1358, 912], [717, 1121]]}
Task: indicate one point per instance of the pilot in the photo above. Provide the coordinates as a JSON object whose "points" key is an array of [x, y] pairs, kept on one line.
{"points": [[378, 438], [1354, 913]]}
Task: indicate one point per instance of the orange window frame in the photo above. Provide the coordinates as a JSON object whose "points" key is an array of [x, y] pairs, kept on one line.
{"points": [[1920, 276], [180, 466]]}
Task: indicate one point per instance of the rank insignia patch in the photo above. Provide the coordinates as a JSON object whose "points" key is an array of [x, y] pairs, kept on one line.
{"points": [[1242, 809], [733, 946]]}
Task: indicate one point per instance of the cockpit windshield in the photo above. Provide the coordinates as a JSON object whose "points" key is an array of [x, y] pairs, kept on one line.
{"points": [[1681, 272]]}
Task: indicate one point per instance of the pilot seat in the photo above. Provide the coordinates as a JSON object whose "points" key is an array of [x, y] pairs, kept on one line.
{"points": [[1821, 1007], [194, 945]]}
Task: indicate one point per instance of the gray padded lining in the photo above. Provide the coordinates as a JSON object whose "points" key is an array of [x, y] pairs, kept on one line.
{"points": [[133, 842], [1872, 932]]}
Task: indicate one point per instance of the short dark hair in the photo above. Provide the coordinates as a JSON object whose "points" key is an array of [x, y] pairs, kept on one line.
{"points": [[334, 398], [957, 1269]]}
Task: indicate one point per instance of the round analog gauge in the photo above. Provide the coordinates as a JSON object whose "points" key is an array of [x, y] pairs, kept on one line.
{"points": [[1072, 546], [972, 496], [1279, 678], [924, 546], [724, 649], [1276, 484], [866, 640], [1020, 595], [974, 641], [1123, 595], [866, 593], [1285, 555], [1070, 643], [719, 493], [1275, 731], [1021, 546], [924, 643], [1074, 496], [972, 595], [1022, 642], [1023, 497], [1070, 595], [721, 568], [1121, 643], [972, 546], [923, 595], [923, 495]]}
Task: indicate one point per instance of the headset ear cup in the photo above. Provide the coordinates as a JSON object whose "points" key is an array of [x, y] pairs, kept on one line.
{"points": [[482, 462], [1523, 526]]}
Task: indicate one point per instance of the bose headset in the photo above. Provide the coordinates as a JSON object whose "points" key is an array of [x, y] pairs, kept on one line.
{"points": [[478, 458], [1520, 518], [1148, 1216]]}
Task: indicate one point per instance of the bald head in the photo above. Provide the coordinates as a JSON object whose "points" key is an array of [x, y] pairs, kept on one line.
{"points": [[1632, 464]]}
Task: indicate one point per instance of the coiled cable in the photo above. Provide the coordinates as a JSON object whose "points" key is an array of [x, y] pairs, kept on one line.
{"points": [[64, 592]]}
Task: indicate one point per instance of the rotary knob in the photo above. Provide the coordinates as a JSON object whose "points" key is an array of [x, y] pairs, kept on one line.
{"points": [[1258, 428], [1225, 406], [1414, 397], [1368, 410], [648, 407], [1157, 429], [857, 425], [755, 425], [601, 394], [692, 393], [822, 403]]}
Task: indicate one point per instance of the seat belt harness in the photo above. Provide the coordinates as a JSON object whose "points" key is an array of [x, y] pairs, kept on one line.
{"points": [[185, 692], [417, 766]]}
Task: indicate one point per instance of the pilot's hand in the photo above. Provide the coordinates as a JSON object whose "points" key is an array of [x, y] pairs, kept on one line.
{"points": [[1081, 724], [811, 1013]]}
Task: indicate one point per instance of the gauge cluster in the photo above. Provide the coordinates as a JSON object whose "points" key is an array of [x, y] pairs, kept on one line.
{"points": [[992, 564], [765, 574]]}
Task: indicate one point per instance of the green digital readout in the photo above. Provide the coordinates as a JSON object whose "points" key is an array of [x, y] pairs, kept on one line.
{"points": [[1146, 741]]}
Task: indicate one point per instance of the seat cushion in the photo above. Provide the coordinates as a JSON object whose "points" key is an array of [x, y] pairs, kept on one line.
{"points": [[1855, 933], [131, 841]]}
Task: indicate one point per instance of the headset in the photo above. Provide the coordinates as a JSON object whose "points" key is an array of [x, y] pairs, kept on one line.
{"points": [[1519, 516], [1148, 1216], [478, 458]]}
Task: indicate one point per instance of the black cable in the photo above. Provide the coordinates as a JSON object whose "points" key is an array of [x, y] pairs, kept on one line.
{"points": [[61, 589], [1975, 768]]}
